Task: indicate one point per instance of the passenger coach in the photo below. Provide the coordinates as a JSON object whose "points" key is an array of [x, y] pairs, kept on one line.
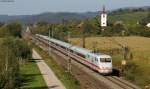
{"points": [[97, 61]]}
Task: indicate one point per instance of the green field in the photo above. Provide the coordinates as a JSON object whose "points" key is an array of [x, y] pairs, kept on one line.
{"points": [[31, 76], [138, 72], [130, 19]]}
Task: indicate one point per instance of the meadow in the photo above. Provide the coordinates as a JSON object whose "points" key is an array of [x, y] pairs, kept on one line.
{"points": [[140, 46], [137, 70], [31, 76], [129, 18]]}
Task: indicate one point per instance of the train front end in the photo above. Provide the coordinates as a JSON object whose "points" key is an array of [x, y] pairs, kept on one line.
{"points": [[105, 64]]}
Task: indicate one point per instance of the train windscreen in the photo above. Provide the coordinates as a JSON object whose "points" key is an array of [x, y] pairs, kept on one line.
{"points": [[105, 59]]}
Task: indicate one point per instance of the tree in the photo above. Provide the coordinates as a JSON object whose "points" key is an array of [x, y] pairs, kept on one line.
{"points": [[118, 28], [19, 47], [13, 49], [9, 67], [145, 20], [42, 23], [14, 29], [11, 29]]}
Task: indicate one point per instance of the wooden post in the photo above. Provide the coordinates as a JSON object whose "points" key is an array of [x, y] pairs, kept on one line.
{"points": [[49, 45], [123, 63], [69, 59]]}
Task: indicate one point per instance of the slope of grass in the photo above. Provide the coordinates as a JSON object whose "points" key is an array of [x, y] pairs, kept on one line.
{"points": [[31, 76], [140, 46], [129, 18]]}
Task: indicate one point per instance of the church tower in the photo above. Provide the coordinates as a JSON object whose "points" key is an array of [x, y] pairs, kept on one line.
{"points": [[103, 18]]}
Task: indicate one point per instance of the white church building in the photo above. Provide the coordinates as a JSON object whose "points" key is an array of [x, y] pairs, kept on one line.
{"points": [[148, 25], [103, 18]]}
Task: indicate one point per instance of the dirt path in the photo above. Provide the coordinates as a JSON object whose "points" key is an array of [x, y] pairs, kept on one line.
{"points": [[48, 75]]}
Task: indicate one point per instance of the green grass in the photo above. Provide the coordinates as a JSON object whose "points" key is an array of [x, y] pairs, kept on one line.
{"points": [[129, 19], [66, 78], [31, 76], [1, 40]]}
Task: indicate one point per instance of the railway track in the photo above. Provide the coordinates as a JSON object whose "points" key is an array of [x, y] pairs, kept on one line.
{"points": [[112, 82], [122, 83], [86, 81]]}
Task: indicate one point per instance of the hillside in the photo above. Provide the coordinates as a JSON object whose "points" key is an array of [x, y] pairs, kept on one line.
{"points": [[130, 18], [48, 17], [130, 15], [6, 18]]}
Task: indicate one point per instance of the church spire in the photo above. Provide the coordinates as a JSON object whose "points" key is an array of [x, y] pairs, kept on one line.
{"points": [[104, 9], [104, 17]]}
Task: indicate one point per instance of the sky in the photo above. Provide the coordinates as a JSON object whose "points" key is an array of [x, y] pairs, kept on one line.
{"points": [[28, 7]]}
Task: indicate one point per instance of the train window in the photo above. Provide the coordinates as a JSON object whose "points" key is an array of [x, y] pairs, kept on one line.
{"points": [[105, 60], [88, 56], [102, 59], [96, 59], [108, 59]]}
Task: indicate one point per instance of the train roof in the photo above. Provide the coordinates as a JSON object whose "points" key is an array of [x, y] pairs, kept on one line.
{"points": [[67, 45], [102, 55], [60, 42], [81, 50], [74, 48]]}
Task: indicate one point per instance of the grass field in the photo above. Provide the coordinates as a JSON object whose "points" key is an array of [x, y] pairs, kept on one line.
{"points": [[130, 19], [31, 76], [139, 46]]}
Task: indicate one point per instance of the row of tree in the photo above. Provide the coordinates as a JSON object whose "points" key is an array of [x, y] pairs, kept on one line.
{"points": [[13, 51], [12, 29], [91, 27], [130, 10]]}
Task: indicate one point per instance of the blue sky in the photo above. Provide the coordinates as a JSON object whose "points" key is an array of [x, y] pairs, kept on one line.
{"points": [[25, 7]]}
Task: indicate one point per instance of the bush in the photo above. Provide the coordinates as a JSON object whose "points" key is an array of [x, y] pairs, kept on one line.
{"points": [[130, 69], [12, 29], [12, 50], [19, 47]]}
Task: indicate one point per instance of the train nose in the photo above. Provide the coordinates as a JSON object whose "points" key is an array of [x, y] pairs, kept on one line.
{"points": [[105, 70]]}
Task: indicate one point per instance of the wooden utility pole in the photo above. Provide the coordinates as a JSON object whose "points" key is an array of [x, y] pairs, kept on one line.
{"points": [[95, 46], [82, 27], [69, 59], [49, 45], [6, 65], [83, 40]]}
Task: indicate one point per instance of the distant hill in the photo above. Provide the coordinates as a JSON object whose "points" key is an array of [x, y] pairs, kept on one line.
{"points": [[5, 18], [119, 14], [48, 17]]}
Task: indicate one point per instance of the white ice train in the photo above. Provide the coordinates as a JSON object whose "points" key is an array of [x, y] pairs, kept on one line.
{"points": [[97, 61]]}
